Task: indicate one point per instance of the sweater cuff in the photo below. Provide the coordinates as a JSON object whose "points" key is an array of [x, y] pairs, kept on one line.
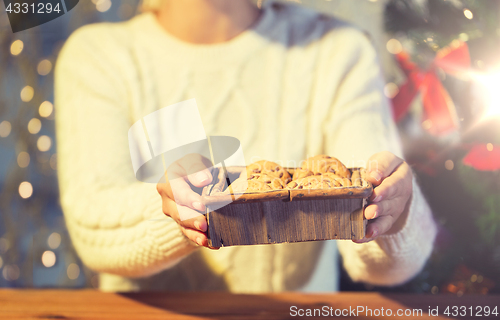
{"points": [[418, 232], [166, 237], [169, 239]]}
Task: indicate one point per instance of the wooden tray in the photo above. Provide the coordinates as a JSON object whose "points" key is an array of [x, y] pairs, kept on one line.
{"points": [[288, 215]]}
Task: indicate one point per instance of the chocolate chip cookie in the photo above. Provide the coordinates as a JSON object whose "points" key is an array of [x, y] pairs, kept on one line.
{"points": [[241, 185], [270, 168], [326, 164]]}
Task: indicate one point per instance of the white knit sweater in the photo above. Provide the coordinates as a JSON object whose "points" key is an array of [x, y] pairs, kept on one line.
{"points": [[297, 84]]}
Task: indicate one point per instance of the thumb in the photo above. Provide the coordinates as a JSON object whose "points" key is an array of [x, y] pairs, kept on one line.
{"points": [[380, 166], [196, 169], [192, 167], [201, 176]]}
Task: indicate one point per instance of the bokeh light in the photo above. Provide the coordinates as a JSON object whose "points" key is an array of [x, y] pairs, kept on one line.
{"points": [[391, 90], [23, 159], [54, 240], [427, 124], [53, 161], [25, 189], [45, 109], [44, 67], [4, 245], [468, 14], [16, 47], [11, 272], [5, 128], [103, 5], [94, 281], [27, 93], [490, 83], [73, 271], [48, 258], [489, 146], [44, 143], [1, 262], [34, 126], [449, 165], [394, 46]]}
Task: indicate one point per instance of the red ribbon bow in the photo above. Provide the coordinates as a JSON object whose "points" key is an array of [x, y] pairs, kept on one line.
{"points": [[483, 157], [438, 106]]}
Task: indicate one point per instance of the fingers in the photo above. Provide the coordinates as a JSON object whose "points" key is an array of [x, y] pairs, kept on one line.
{"points": [[183, 204], [380, 226], [197, 237], [376, 227], [398, 184], [392, 178], [194, 229], [382, 165], [185, 196], [184, 216], [392, 207], [391, 196], [180, 191], [200, 178], [192, 167]]}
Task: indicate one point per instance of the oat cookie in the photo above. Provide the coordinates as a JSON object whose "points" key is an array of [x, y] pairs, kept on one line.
{"points": [[273, 182], [312, 182], [302, 173], [270, 168], [241, 186], [326, 164]]}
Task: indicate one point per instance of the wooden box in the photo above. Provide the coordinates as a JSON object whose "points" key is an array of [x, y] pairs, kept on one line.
{"points": [[287, 215]]}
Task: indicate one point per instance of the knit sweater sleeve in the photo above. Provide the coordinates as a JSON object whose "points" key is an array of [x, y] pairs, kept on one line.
{"points": [[359, 125], [115, 222]]}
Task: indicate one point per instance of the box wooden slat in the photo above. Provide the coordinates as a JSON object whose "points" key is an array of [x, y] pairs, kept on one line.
{"points": [[286, 215]]}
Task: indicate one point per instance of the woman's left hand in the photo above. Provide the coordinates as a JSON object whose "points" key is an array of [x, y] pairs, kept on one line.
{"points": [[389, 204]]}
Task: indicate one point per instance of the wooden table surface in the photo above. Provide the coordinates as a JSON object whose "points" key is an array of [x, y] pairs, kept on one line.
{"points": [[92, 304]]}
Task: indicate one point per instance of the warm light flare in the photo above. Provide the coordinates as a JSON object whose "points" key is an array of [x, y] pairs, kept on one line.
{"points": [[45, 109], [54, 240], [48, 258], [468, 14], [16, 47], [73, 271], [25, 189], [490, 83]]}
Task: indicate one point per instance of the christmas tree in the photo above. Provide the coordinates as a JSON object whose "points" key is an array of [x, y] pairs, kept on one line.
{"points": [[447, 108]]}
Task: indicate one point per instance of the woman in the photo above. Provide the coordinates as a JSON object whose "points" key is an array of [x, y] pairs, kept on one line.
{"points": [[288, 83]]}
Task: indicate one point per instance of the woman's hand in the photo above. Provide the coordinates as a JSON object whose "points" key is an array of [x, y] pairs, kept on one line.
{"points": [[181, 202], [389, 204]]}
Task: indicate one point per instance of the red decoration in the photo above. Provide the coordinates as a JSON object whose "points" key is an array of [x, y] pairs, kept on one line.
{"points": [[483, 157], [438, 106]]}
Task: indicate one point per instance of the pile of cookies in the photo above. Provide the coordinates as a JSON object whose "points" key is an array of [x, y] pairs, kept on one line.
{"points": [[318, 172]]}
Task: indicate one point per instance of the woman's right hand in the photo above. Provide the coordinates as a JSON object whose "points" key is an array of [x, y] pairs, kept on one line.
{"points": [[180, 202]]}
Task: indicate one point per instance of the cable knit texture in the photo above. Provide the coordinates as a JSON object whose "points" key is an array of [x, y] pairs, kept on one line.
{"points": [[294, 85]]}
